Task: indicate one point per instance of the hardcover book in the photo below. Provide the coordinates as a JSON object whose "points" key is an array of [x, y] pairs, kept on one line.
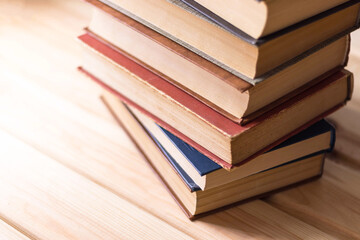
{"points": [[217, 137], [205, 80], [261, 20], [196, 202], [207, 174], [252, 59]]}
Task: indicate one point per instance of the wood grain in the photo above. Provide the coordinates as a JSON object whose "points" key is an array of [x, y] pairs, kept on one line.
{"points": [[106, 156], [10, 233], [331, 204], [65, 205], [68, 171]]}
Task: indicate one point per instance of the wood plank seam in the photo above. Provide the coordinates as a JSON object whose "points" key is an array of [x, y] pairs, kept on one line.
{"points": [[89, 177], [56, 194], [18, 228], [345, 232]]}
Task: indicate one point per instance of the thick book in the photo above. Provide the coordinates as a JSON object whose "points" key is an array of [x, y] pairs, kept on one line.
{"points": [[217, 137], [205, 80], [207, 174], [220, 46], [259, 20], [196, 202]]}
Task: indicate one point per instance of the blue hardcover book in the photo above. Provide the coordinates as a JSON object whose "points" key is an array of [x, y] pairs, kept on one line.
{"points": [[186, 178], [194, 167]]}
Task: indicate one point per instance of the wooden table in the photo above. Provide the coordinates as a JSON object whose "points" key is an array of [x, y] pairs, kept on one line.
{"points": [[67, 171]]}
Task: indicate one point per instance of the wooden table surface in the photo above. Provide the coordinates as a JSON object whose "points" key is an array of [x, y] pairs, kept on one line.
{"points": [[67, 171]]}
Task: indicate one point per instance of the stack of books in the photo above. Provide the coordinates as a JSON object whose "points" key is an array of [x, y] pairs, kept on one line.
{"points": [[226, 99]]}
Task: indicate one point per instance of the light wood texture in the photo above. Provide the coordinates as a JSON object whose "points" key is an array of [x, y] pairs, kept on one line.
{"points": [[330, 204], [67, 171], [10, 233], [53, 202]]}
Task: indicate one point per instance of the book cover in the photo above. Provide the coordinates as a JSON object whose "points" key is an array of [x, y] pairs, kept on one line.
{"points": [[201, 11], [191, 183], [124, 125], [205, 165], [230, 81], [123, 16], [223, 58], [181, 172], [205, 113]]}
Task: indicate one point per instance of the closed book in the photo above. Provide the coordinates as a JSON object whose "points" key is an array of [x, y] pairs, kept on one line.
{"points": [[207, 174], [196, 202], [218, 45], [205, 80], [260, 19], [217, 137]]}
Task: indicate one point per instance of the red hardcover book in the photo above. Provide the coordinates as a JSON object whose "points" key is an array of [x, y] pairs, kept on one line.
{"points": [[217, 137]]}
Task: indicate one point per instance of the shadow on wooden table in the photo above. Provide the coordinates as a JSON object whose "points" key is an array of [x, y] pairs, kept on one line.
{"points": [[260, 220], [347, 124], [328, 205]]}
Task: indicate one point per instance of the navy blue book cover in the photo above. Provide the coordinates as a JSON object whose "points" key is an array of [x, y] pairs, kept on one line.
{"points": [[204, 165], [186, 178]]}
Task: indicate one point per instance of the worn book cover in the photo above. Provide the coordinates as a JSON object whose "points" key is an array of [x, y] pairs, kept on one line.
{"points": [[205, 113]]}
